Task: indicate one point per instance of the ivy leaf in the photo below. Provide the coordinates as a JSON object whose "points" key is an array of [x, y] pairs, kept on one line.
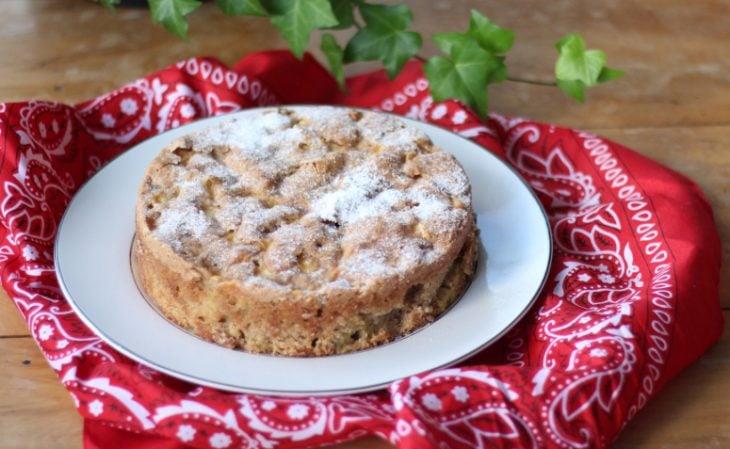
{"points": [[463, 75], [577, 63], [342, 10], [242, 7], [578, 68], [335, 55], [296, 19], [494, 40], [609, 74], [385, 37], [574, 89], [499, 73], [447, 42], [490, 36], [171, 14], [384, 17]]}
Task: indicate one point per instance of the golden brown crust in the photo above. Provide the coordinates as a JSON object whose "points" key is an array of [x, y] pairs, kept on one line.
{"points": [[322, 231], [223, 313]]}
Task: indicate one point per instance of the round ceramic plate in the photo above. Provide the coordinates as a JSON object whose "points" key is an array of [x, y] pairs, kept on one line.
{"points": [[93, 268]]}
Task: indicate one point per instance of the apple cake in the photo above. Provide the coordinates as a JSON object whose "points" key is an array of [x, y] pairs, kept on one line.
{"points": [[304, 231]]}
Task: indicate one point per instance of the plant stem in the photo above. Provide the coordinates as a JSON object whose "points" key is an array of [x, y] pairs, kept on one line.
{"points": [[517, 79], [514, 79]]}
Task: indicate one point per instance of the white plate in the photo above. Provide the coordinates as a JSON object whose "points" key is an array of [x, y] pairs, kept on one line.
{"points": [[93, 269]]}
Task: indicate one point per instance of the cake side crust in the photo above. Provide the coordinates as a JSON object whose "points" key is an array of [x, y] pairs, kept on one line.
{"points": [[225, 313]]}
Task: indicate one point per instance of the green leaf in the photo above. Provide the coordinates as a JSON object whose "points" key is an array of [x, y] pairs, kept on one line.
{"points": [[463, 75], [171, 14], [242, 7], [387, 17], [609, 74], [493, 40], [574, 89], [575, 63], [499, 73], [490, 36], [334, 54], [384, 37], [446, 41], [342, 10], [578, 68], [296, 19]]}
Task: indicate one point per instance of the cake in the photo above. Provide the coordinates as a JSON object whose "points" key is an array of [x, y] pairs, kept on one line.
{"points": [[304, 231]]}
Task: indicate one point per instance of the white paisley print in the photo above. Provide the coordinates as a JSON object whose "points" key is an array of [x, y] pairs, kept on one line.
{"points": [[569, 376]]}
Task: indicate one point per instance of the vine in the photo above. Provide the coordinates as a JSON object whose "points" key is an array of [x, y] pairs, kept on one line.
{"points": [[469, 62]]}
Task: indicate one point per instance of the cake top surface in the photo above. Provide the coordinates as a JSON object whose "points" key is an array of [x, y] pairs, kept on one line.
{"points": [[308, 198]]}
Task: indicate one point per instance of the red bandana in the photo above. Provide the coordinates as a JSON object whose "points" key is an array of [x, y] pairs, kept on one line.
{"points": [[631, 300]]}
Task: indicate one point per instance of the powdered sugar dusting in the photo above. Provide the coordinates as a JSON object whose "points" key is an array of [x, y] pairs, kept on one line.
{"points": [[254, 138], [428, 205], [365, 194], [375, 199], [382, 204], [388, 131], [356, 187], [176, 222]]}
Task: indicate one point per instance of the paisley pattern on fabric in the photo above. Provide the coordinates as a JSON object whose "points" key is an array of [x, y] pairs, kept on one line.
{"points": [[583, 362]]}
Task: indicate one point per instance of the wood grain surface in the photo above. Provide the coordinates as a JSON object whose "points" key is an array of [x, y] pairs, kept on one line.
{"points": [[673, 105]]}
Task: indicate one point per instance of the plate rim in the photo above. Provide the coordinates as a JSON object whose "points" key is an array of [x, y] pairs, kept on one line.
{"points": [[297, 393]]}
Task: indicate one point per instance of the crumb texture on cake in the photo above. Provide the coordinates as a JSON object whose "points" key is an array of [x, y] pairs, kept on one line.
{"points": [[304, 231]]}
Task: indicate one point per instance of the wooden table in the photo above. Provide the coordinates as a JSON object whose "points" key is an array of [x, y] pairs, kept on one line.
{"points": [[674, 106]]}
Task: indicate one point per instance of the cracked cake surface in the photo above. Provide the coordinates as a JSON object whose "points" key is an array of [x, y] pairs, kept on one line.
{"points": [[304, 231]]}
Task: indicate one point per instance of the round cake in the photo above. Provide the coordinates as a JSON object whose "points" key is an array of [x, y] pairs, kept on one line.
{"points": [[304, 231]]}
